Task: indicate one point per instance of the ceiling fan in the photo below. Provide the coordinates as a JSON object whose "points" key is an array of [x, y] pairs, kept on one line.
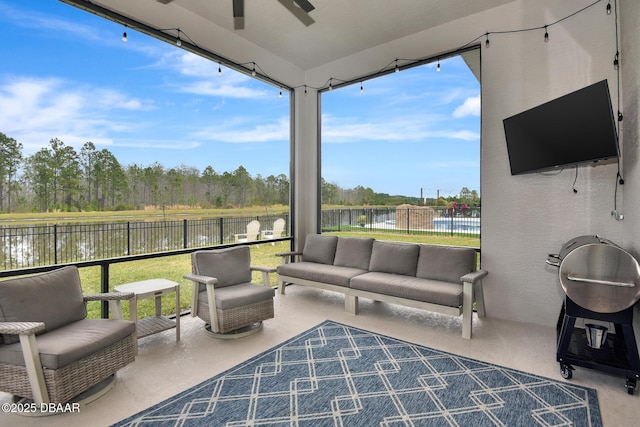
{"points": [[299, 8]]}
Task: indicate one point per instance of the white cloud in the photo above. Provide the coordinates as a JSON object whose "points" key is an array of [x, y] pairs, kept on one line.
{"points": [[34, 110], [46, 23], [243, 130], [404, 129], [203, 79], [470, 107]]}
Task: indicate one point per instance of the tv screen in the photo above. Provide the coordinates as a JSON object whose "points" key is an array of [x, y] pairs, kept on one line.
{"points": [[576, 128]]}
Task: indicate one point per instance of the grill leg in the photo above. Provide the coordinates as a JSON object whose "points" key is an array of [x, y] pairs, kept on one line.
{"points": [[564, 339]]}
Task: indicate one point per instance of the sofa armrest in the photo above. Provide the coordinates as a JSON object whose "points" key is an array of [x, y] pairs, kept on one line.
{"points": [[21, 328], [286, 256], [474, 276], [289, 253]]}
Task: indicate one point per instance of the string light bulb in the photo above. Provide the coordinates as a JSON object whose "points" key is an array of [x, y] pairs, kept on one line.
{"points": [[280, 94], [219, 69], [305, 90], [396, 69], [546, 35], [438, 66], [124, 36], [609, 8], [330, 84], [616, 62], [486, 43], [361, 88]]}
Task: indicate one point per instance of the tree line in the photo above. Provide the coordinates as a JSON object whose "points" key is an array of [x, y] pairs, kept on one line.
{"points": [[58, 177]]}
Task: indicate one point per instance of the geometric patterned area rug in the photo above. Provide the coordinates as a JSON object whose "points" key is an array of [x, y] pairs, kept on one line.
{"points": [[338, 375]]}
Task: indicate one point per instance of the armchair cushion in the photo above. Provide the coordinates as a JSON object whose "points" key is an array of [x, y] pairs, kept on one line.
{"points": [[319, 248], [240, 295], [231, 266], [72, 342], [54, 298]]}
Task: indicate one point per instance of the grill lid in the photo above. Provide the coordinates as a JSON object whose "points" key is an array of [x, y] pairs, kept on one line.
{"points": [[599, 275]]}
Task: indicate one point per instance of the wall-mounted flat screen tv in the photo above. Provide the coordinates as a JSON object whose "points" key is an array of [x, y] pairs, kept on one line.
{"points": [[574, 129]]}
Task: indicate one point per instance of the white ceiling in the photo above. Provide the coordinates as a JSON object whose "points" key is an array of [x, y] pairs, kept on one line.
{"points": [[341, 28]]}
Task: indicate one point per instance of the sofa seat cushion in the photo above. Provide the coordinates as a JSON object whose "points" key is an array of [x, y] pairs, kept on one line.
{"points": [[239, 295], [414, 288], [330, 274], [70, 343]]}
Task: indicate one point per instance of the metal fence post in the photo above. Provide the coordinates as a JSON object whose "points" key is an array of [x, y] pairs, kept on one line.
{"points": [[408, 220], [104, 285], [221, 230], [55, 243], [185, 240]]}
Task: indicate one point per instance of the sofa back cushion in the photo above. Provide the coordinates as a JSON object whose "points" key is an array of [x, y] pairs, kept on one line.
{"points": [[231, 266], [54, 298], [445, 263], [397, 258], [353, 252], [319, 248]]}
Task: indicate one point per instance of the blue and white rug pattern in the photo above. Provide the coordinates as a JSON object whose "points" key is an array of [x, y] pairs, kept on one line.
{"points": [[338, 375]]}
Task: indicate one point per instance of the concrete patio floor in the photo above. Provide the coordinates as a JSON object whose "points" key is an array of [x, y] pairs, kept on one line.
{"points": [[165, 367]]}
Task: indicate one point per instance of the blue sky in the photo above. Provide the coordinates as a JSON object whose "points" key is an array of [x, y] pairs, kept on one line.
{"points": [[67, 74]]}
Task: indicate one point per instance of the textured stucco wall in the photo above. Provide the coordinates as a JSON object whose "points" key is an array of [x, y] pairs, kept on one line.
{"points": [[524, 218]]}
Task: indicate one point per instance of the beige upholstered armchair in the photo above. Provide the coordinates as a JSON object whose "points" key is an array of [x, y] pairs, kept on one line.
{"points": [[223, 295], [49, 351]]}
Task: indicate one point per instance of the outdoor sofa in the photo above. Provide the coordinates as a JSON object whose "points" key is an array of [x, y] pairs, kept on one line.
{"points": [[437, 278]]}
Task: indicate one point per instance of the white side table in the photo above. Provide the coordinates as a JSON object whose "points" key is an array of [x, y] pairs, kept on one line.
{"points": [[153, 288]]}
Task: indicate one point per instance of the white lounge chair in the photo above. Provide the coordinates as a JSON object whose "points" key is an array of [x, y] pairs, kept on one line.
{"points": [[276, 233], [253, 229]]}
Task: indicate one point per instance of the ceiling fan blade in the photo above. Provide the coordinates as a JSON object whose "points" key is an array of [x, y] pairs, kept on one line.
{"points": [[238, 14], [304, 5], [297, 11]]}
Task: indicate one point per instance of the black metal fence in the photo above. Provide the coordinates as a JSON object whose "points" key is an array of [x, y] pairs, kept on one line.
{"points": [[44, 245], [39, 245], [456, 220]]}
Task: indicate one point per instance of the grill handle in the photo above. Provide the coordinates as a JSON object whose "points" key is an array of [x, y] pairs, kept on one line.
{"points": [[601, 282], [552, 263]]}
